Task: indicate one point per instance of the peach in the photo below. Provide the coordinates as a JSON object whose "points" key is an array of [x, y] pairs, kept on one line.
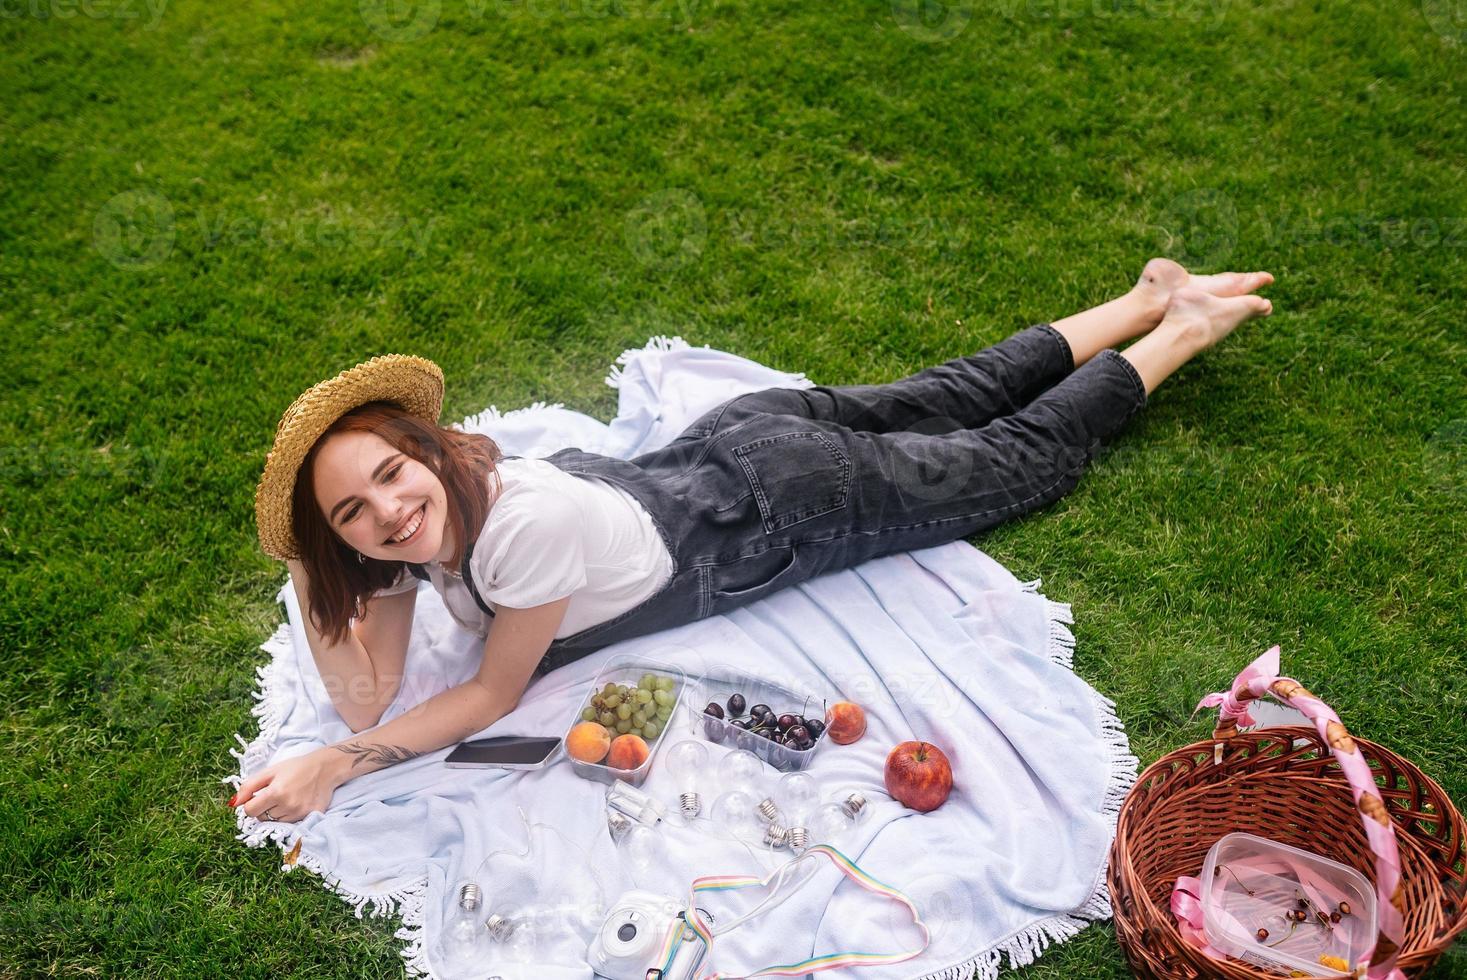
{"points": [[627, 752], [588, 742], [845, 722]]}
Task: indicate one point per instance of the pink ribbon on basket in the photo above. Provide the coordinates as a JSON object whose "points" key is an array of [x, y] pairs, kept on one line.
{"points": [[1260, 678]]}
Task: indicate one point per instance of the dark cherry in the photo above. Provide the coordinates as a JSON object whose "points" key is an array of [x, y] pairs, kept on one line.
{"points": [[789, 742], [814, 726], [786, 722], [800, 733], [1334, 917], [760, 711], [714, 728], [769, 733], [740, 723], [714, 708], [736, 704]]}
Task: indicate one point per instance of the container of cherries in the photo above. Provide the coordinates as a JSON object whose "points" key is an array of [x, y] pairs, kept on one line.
{"points": [[782, 726]]}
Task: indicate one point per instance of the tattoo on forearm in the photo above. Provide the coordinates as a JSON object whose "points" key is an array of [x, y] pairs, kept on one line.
{"points": [[382, 755]]}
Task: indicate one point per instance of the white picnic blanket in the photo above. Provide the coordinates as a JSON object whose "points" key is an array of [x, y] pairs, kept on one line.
{"points": [[942, 645]]}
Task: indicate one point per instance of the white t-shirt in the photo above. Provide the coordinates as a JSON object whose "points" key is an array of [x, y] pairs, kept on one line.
{"points": [[552, 534]]}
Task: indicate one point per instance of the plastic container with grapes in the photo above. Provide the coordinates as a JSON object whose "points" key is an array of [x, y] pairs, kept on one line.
{"points": [[629, 670], [722, 681]]}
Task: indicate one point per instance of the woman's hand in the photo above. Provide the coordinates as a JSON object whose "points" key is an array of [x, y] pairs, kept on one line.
{"points": [[293, 789]]}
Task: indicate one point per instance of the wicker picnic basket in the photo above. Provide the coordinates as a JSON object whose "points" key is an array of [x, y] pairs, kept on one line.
{"points": [[1286, 784]]}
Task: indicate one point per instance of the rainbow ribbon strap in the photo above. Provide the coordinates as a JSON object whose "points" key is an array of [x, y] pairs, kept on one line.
{"points": [[829, 961]]}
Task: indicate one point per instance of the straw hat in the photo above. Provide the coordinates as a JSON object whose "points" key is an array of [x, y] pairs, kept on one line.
{"points": [[414, 383]]}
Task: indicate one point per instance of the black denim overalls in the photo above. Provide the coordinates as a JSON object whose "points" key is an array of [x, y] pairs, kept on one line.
{"points": [[777, 486]]}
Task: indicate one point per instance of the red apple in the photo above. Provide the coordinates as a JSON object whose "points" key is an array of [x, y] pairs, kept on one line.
{"points": [[845, 722], [919, 776]]}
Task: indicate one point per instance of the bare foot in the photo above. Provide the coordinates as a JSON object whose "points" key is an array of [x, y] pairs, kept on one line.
{"points": [[1161, 279], [1200, 319]]}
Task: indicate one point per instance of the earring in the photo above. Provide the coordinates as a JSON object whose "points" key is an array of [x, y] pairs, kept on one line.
{"points": [[361, 558]]}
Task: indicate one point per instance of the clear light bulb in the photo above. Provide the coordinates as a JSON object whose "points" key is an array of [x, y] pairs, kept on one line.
{"points": [[734, 811], [520, 946], [741, 770], [829, 824], [686, 764], [797, 794], [464, 939], [641, 847], [556, 934]]}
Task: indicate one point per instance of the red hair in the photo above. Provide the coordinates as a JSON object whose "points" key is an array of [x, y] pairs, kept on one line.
{"points": [[339, 582]]}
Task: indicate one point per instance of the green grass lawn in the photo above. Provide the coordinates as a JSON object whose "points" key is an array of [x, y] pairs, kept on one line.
{"points": [[205, 208]]}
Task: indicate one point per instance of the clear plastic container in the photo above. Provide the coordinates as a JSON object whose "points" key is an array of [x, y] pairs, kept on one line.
{"points": [[628, 670], [723, 680], [1249, 883]]}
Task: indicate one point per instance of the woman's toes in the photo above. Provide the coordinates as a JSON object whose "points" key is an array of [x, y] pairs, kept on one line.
{"points": [[1232, 283]]}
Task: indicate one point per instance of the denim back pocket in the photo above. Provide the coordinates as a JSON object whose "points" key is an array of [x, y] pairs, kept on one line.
{"points": [[795, 476]]}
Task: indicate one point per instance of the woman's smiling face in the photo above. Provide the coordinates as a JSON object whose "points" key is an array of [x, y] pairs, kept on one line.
{"points": [[372, 494]]}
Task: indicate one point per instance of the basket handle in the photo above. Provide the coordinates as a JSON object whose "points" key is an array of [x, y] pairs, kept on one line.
{"points": [[1262, 677]]}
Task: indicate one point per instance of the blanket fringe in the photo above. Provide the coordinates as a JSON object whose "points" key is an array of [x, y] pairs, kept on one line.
{"points": [[658, 344], [1026, 946], [662, 344], [492, 414], [405, 900]]}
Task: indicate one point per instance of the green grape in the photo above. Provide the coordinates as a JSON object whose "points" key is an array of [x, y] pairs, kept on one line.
{"points": [[607, 718], [651, 730], [643, 696], [663, 698], [612, 701], [624, 726], [624, 712], [588, 714], [665, 683], [664, 713], [608, 688], [639, 717], [647, 681]]}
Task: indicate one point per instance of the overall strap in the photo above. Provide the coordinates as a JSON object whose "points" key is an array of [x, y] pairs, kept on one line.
{"points": [[467, 575], [469, 581]]}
